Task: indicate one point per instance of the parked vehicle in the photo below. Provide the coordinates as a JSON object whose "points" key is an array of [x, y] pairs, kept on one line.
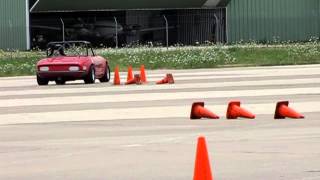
{"points": [[72, 60]]}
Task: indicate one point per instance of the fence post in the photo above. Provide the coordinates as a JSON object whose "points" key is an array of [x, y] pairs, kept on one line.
{"points": [[167, 31], [116, 22], [217, 33], [63, 35]]}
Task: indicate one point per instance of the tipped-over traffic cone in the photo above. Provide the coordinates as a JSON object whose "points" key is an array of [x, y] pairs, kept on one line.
{"points": [[283, 111], [132, 81], [130, 74], [143, 74], [167, 80], [202, 169], [198, 111], [234, 111], [135, 80], [116, 80]]}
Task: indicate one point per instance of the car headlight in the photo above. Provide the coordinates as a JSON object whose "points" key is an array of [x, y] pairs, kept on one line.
{"points": [[73, 68], [44, 68]]}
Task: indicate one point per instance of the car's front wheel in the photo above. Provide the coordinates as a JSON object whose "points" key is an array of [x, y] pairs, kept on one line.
{"points": [[91, 76], [106, 76], [42, 81]]}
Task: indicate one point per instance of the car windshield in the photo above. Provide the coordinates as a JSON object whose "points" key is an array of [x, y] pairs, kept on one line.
{"points": [[67, 49]]}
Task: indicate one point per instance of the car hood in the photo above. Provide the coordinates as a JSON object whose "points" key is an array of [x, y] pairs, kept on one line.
{"points": [[64, 61]]}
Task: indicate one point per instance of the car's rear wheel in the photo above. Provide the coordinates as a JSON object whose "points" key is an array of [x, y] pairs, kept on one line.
{"points": [[106, 76], [42, 81], [91, 76], [60, 82]]}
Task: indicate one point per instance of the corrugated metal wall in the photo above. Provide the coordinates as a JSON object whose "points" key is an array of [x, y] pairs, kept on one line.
{"points": [[265, 20], [13, 24]]}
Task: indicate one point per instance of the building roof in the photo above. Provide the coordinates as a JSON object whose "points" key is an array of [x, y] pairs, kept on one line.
{"points": [[92, 5]]}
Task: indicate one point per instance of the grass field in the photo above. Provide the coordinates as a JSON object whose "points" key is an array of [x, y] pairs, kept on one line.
{"points": [[23, 63]]}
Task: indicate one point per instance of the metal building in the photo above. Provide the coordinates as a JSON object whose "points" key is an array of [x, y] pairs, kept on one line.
{"points": [[266, 20], [14, 24], [28, 23]]}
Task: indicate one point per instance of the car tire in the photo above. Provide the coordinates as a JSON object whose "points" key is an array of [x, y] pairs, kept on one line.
{"points": [[42, 81], [91, 77], [60, 82], [106, 76]]}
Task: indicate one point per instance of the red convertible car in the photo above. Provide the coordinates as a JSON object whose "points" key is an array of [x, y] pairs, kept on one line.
{"points": [[72, 60]]}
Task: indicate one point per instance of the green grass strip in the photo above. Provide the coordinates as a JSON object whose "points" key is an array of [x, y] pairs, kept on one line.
{"points": [[23, 63]]}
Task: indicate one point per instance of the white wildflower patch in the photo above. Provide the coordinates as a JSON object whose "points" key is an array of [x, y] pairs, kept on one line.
{"points": [[178, 57]]}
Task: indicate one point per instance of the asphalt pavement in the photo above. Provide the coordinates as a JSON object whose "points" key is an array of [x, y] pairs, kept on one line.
{"points": [[101, 131]]}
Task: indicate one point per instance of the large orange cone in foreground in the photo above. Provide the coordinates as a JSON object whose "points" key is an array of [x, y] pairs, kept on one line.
{"points": [[143, 74], [116, 80], [198, 111], [167, 80], [235, 111], [130, 74], [283, 111], [202, 169]]}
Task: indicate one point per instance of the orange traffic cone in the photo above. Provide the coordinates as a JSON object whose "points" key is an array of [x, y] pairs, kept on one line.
{"points": [[143, 74], [170, 78], [283, 111], [167, 80], [198, 111], [116, 80], [132, 81], [135, 80], [234, 111], [130, 73], [202, 169]]}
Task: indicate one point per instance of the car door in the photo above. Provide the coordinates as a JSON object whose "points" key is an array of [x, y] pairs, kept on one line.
{"points": [[98, 62]]}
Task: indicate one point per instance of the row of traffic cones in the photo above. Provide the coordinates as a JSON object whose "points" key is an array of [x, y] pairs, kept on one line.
{"points": [[202, 168], [139, 78], [235, 111], [131, 79]]}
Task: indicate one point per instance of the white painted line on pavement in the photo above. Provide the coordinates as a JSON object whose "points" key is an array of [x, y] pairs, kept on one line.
{"points": [[144, 113], [160, 87], [153, 97], [192, 76]]}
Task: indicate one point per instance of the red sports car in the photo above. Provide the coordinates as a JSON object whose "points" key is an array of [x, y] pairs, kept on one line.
{"points": [[72, 60]]}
